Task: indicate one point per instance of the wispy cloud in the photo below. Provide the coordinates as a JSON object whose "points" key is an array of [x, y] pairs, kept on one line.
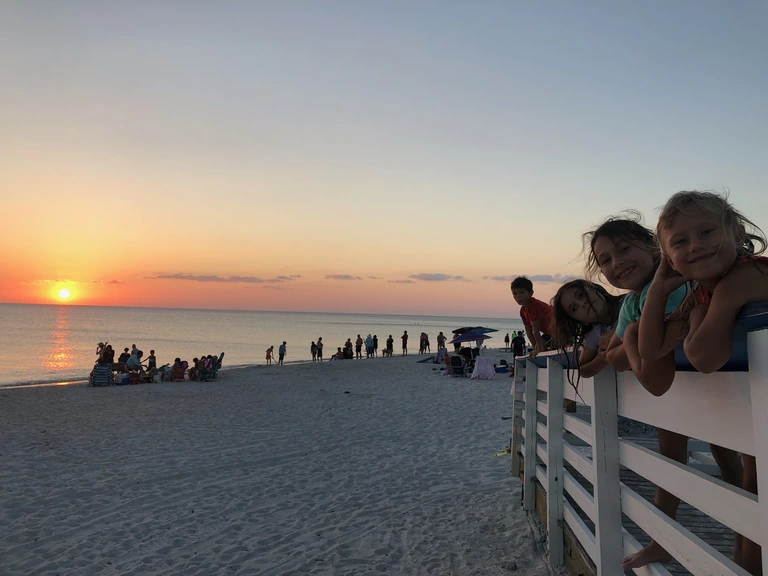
{"points": [[342, 277], [49, 281], [401, 281], [207, 278], [434, 277], [115, 282], [553, 278], [375, 278], [223, 279]]}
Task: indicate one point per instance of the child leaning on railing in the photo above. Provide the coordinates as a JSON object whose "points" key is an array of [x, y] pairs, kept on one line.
{"points": [[707, 242]]}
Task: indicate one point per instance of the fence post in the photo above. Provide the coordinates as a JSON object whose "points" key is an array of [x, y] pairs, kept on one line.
{"points": [[529, 483], [517, 414], [555, 460], [607, 489], [757, 353]]}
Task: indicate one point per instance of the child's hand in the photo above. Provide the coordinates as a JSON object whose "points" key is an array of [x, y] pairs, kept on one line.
{"points": [[667, 278], [605, 339]]}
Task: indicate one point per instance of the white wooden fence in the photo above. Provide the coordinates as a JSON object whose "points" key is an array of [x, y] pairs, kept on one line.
{"points": [[729, 409]]}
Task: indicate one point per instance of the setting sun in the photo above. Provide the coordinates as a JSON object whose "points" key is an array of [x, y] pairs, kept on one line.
{"points": [[64, 293]]}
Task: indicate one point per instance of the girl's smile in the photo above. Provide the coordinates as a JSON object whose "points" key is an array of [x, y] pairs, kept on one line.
{"points": [[697, 246], [625, 265]]}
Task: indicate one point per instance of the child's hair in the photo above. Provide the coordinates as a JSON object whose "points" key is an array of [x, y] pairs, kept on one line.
{"points": [[746, 235], [625, 226], [571, 332], [522, 283]]}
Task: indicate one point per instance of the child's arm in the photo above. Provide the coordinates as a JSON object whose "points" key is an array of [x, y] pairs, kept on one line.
{"points": [[538, 342], [616, 356], [591, 362], [710, 340], [657, 338], [529, 333]]}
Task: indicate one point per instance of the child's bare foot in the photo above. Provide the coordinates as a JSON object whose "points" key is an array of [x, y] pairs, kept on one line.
{"points": [[651, 553]]}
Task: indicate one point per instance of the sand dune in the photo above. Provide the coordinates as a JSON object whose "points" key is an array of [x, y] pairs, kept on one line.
{"points": [[349, 467]]}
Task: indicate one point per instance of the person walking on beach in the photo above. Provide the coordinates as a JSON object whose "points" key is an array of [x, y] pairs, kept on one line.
{"points": [[426, 343], [270, 354], [281, 353], [313, 351], [320, 349], [404, 338], [375, 345], [359, 348]]}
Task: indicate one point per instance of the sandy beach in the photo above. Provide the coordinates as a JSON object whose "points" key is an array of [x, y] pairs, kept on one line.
{"points": [[352, 467]]}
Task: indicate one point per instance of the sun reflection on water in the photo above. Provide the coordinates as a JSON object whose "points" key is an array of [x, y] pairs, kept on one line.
{"points": [[60, 355]]}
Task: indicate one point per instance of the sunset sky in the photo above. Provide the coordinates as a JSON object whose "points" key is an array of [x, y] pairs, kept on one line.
{"points": [[375, 156]]}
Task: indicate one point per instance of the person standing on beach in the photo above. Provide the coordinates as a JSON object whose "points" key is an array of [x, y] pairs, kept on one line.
{"points": [[404, 338], [518, 344], [375, 345], [313, 351], [359, 348], [270, 352], [440, 340], [506, 340], [281, 353], [151, 360], [320, 349]]}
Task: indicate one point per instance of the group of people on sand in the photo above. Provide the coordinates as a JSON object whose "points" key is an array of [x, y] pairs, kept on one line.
{"points": [[684, 282], [131, 362]]}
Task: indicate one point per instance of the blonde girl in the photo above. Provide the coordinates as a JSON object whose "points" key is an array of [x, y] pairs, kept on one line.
{"points": [[707, 241]]}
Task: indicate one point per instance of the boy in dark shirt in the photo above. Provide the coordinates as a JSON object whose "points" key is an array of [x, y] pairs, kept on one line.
{"points": [[518, 344]]}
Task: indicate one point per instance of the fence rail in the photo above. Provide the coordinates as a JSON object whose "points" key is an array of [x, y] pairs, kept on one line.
{"points": [[729, 409]]}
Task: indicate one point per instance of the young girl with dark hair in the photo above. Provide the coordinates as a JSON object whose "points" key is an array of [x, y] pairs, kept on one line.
{"points": [[585, 318], [627, 255]]}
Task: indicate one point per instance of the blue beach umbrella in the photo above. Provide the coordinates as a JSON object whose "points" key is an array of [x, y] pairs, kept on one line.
{"points": [[469, 337]]}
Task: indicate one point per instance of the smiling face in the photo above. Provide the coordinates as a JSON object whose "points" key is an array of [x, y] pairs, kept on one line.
{"points": [[624, 264], [697, 245], [583, 305]]}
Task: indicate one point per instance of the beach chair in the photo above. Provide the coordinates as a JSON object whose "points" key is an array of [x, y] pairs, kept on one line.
{"points": [[217, 365], [457, 366], [206, 369], [101, 376]]}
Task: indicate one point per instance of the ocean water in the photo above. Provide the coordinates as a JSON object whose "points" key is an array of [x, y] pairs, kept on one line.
{"points": [[48, 343]]}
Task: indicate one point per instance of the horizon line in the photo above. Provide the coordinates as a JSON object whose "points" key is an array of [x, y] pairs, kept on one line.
{"points": [[65, 305]]}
